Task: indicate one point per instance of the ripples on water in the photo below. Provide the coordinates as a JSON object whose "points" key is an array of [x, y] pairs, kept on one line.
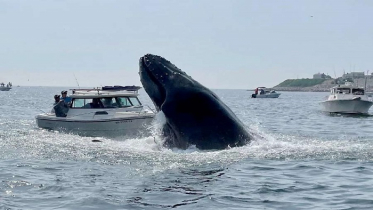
{"points": [[302, 159]]}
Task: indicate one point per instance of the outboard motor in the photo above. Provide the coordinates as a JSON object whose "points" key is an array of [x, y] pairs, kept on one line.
{"points": [[253, 95]]}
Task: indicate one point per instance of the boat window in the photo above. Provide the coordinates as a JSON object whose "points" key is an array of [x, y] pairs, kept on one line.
{"points": [[135, 101], [93, 103], [78, 103], [109, 102], [124, 101], [343, 90], [357, 91], [87, 103]]}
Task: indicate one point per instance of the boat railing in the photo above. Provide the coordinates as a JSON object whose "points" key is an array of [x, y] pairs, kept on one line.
{"points": [[106, 90]]}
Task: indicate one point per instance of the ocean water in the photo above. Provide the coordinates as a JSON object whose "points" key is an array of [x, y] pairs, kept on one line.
{"points": [[301, 158]]}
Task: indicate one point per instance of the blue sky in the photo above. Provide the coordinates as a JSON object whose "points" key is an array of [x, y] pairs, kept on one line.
{"points": [[222, 44]]}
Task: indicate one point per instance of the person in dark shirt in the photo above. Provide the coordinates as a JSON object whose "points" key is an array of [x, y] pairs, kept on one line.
{"points": [[61, 108], [107, 102], [95, 103], [56, 100]]}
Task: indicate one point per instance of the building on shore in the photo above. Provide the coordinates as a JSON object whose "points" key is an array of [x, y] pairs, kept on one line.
{"points": [[321, 76], [353, 75]]}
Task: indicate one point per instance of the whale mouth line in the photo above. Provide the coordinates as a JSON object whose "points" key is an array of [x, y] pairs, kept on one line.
{"points": [[155, 81]]}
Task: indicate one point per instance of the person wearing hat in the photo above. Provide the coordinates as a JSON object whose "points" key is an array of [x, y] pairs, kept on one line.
{"points": [[64, 97], [60, 107], [56, 100]]}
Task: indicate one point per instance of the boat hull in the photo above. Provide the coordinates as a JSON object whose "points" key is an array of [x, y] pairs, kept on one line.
{"points": [[129, 126], [272, 95], [347, 106], [5, 88]]}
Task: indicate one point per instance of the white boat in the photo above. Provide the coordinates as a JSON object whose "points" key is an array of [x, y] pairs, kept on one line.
{"points": [[119, 113], [5, 88], [262, 92], [347, 99]]}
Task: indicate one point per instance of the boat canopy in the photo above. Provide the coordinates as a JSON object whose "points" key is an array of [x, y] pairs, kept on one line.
{"points": [[106, 91], [118, 88]]}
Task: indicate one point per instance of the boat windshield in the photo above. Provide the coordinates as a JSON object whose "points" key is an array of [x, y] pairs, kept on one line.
{"points": [[105, 102], [357, 91], [343, 90], [109, 102]]}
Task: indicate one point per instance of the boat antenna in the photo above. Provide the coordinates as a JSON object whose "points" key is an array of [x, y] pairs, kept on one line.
{"points": [[76, 81], [335, 76]]}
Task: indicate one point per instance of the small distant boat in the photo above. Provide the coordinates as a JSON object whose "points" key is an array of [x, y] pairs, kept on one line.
{"points": [[5, 88], [348, 99], [263, 92]]}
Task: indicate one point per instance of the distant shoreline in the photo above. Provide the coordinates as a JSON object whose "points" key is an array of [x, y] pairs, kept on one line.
{"points": [[323, 91], [301, 89], [295, 89], [317, 85]]}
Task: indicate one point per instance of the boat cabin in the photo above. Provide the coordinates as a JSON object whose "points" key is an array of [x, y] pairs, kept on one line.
{"points": [[105, 102], [9, 85], [105, 97], [264, 90], [345, 90]]}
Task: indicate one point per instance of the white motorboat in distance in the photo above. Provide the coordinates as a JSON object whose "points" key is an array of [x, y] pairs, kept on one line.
{"points": [[262, 92], [118, 112], [348, 99]]}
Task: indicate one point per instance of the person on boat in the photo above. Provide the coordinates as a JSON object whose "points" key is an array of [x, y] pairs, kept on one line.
{"points": [[61, 109], [261, 91], [66, 99], [56, 100], [256, 91], [95, 103], [107, 102]]}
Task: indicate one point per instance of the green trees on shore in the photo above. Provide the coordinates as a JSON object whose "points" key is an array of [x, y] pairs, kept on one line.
{"points": [[300, 82]]}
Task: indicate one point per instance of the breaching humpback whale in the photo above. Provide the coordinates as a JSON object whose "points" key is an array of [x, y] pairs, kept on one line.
{"points": [[194, 114]]}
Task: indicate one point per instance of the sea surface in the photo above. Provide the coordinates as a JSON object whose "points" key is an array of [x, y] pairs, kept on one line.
{"points": [[301, 158]]}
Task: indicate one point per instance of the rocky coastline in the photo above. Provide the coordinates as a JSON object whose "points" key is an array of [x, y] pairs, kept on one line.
{"points": [[301, 89]]}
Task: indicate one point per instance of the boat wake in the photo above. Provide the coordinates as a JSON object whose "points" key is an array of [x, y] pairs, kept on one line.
{"points": [[145, 152], [286, 147]]}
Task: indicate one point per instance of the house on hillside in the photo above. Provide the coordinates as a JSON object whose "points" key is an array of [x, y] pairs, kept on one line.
{"points": [[321, 76], [353, 75]]}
